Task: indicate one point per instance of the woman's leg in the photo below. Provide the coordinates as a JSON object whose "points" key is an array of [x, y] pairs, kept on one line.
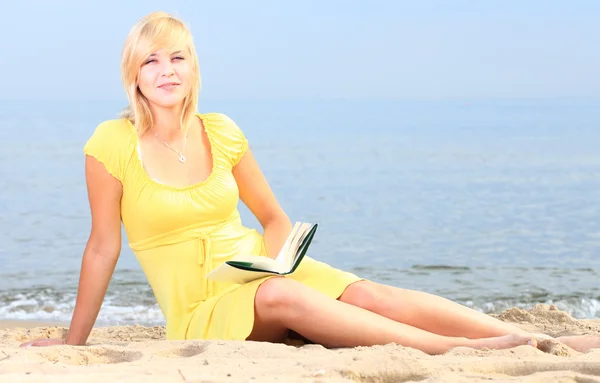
{"points": [[425, 311], [439, 315], [282, 304], [581, 343]]}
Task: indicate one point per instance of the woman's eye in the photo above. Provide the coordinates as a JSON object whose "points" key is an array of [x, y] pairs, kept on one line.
{"points": [[178, 58], [149, 61]]}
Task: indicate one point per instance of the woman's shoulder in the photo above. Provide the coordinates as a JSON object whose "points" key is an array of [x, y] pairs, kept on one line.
{"points": [[115, 133], [220, 121], [116, 128], [112, 142], [226, 134]]}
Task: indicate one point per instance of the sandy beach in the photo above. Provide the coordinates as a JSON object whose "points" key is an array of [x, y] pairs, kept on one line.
{"points": [[140, 354]]}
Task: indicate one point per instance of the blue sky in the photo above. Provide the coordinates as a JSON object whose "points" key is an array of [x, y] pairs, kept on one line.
{"points": [[69, 50]]}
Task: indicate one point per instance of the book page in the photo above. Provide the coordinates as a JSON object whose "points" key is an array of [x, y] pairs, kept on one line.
{"points": [[292, 251], [258, 262], [284, 255]]}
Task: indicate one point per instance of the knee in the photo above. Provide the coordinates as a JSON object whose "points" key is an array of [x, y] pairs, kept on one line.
{"points": [[363, 294], [275, 294]]}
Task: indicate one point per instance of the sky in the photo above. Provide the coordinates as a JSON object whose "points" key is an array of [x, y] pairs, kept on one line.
{"points": [[328, 49]]}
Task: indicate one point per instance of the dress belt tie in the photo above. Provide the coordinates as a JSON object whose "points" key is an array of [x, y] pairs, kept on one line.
{"points": [[204, 246], [204, 249]]}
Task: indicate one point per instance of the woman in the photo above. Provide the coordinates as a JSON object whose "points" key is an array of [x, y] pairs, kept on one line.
{"points": [[174, 177]]}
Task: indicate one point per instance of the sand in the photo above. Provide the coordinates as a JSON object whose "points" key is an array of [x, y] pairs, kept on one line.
{"points": [[140, 354]]}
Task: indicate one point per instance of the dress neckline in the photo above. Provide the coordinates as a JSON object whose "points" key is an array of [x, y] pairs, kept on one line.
{"points": [[195, 185]]}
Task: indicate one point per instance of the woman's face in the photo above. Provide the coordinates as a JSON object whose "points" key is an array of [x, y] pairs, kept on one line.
{"points": [[165, 78]]}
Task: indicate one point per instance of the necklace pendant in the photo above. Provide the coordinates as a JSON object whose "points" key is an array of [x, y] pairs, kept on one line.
{"points": [[181, 158]]}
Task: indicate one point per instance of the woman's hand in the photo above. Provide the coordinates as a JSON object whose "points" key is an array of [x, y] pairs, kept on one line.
{"points": [[44, 342]]}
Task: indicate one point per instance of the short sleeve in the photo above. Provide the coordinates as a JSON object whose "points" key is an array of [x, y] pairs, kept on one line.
{"points": [[108, 145], [231, 139], [241, 144]]}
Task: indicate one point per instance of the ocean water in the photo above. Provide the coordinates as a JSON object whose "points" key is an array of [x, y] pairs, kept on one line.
{"points": [[492, 204]]}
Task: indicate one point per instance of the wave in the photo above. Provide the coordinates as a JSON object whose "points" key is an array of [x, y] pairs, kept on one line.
{"points": [[137, 306]]}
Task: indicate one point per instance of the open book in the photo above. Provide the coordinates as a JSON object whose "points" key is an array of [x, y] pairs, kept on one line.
{"points": [[246, 268]]}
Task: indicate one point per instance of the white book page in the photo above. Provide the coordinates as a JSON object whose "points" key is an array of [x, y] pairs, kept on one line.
{"points": [[295, 244], [259, 262], [284, 253]]}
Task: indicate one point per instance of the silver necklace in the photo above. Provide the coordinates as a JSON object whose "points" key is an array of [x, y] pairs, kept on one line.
{"points": [[179, 153]]}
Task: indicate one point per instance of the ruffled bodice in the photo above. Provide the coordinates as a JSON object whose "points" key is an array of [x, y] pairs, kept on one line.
{"points": [[179, 234]]}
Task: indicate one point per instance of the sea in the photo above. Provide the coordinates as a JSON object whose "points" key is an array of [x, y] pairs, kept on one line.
{"points": [[490, 203]]}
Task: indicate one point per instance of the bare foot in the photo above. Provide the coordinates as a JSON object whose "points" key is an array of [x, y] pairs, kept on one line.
{"points": [[504, 342], [581, 343]]}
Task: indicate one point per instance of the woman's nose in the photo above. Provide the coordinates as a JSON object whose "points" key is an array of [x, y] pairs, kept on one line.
{"points": [[167, 69]]}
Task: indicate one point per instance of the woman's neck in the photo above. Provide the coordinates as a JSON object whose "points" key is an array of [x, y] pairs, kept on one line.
{"points": [[167, 122]]}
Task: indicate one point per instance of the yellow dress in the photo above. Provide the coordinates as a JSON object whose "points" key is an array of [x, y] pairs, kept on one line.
{"points": [[180, 234]]}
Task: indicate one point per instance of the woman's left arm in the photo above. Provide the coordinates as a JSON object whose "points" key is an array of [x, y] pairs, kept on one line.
{"points": [[257, 195]]}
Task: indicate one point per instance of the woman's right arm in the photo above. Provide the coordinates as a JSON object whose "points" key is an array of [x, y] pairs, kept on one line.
{"points": [[100, 255], [102, 250]]}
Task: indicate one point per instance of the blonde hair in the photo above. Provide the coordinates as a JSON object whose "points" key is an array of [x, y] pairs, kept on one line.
{"points": [[158, 30]]}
